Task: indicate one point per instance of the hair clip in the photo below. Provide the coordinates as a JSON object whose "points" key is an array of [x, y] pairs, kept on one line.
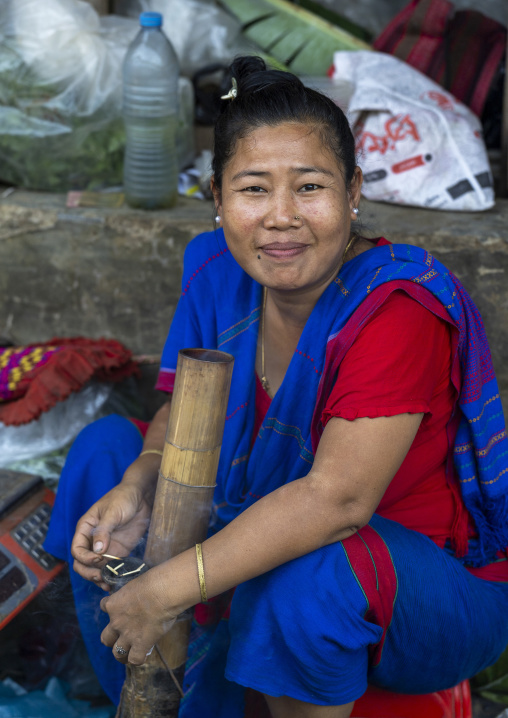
{"points": [[233, 91]]}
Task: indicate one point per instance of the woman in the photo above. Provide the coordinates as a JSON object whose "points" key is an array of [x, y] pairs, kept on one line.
{"points": [[359, 552]]}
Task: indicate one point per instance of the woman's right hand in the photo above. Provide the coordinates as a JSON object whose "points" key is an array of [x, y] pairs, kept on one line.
{"points": [[117, 522]]}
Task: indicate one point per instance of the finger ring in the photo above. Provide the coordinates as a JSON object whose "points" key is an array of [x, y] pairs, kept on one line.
{"points": [[121, 651]]}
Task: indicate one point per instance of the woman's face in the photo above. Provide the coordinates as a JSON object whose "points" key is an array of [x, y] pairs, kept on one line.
{"points": [[276, 175]]}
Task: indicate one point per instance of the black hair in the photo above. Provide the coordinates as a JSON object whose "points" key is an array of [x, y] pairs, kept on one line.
{"points": [[270, 97]]}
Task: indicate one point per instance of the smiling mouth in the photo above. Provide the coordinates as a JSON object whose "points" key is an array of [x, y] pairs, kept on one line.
{"points": [[283, 249]]}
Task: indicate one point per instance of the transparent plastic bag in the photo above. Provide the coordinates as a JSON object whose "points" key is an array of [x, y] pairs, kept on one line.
{"points": [[60, 94], [54, 429], [200, 32]]}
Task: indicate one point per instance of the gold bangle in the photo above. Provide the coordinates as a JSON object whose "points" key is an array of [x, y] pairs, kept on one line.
{"points": [[151, 451], [201, 572]]}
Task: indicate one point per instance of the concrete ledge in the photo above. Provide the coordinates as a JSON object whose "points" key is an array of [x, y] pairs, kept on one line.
{"points": [[96, 272], [116, 272]]}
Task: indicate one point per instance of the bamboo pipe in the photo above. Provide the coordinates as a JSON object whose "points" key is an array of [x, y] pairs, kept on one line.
{"points": [[180, 516]]}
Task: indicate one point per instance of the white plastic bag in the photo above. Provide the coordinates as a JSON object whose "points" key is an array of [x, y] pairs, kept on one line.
{"points": [[60, 94], [416, 144], [56, 427]]}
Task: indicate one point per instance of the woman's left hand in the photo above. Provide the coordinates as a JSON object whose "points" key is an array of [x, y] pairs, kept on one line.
{"points": [[139, 615]]}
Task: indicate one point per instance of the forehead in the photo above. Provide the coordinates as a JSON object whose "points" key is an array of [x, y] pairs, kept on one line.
{"points": [[284, 143]]}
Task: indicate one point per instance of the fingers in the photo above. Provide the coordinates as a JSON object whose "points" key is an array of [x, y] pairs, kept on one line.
{"points": [[121, 654], [138, 656], [109, 634], [91, 574], [126, 654], [82, 543], [94, 529], [101, 537], [128, 646], [90, 543], [111, 637], [122, 649], [103, 605], [114, 524]]}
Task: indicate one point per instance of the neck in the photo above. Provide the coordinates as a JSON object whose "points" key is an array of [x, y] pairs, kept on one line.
{"points": [[293, 309], [283, 318]]}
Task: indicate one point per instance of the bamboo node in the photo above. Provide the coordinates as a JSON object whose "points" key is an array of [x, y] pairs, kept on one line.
{"points": [[187, 486]]}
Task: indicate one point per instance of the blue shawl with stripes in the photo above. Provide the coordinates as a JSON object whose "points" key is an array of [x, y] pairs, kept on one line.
{"points": [[219, 308]]}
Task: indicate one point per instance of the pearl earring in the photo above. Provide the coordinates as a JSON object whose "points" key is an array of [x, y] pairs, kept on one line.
{"points": [[356, 210], [217, 218]]}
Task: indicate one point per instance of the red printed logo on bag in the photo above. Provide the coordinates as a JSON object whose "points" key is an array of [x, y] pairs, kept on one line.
{"points": [[411, 163], [397, 128], [438, 98]]}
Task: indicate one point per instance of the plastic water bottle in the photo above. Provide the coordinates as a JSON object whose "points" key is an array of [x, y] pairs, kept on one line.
{"points": [[150, 111]]}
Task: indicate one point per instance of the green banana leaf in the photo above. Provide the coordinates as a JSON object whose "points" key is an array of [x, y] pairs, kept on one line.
{"points": [[336, 19], [492, 683], [302, 41]]}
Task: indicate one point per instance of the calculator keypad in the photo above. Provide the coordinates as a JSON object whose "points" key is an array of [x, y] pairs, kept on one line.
{"points": [[31, 532]]}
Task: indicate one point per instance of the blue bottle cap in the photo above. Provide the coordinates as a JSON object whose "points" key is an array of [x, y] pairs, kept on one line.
{"points": [[150, 19]]}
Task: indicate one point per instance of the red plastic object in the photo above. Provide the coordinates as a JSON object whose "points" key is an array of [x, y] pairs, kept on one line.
{"points": [[452, 703], [377, 703]]}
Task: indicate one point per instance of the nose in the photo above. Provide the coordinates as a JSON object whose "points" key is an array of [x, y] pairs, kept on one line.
{"points": [[281, 211]]}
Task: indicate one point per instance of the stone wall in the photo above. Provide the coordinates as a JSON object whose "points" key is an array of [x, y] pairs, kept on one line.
{"points": [[116, 272], [94, 272]]}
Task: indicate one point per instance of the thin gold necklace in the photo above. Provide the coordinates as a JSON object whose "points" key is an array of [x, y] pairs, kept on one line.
{"points": [[264, 381]]}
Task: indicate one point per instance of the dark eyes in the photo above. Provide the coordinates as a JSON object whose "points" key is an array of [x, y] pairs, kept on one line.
{"points": [[308, 187]]}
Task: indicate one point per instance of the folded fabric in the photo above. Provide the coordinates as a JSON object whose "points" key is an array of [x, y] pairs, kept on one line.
{"points": [[35, 377], [460, 50]]}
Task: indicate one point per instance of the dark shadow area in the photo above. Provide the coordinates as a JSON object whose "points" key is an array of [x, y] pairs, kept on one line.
{"points": [[44, 641]]}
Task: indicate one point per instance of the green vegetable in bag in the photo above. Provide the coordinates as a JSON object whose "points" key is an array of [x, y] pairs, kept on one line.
{"points": [[60, 95]]}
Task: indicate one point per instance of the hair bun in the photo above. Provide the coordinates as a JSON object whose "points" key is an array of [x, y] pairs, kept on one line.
{"points": [[252, 75], [244, 67]]}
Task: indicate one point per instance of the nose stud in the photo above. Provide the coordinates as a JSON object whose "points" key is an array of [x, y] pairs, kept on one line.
{"points": [[297, 217]]}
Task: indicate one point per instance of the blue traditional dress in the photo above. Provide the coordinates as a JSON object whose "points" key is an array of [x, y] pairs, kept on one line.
{"points": [[387, 605]]}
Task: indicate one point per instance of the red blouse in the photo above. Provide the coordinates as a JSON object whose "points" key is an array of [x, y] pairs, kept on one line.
{"points": [[400, 363]]}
